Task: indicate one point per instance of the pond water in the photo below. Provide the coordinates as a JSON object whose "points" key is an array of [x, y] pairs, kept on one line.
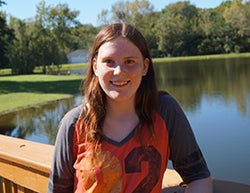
{"points": [[215, 95]]}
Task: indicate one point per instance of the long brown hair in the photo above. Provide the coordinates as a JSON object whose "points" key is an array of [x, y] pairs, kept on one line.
{"points": [[94, 109]]}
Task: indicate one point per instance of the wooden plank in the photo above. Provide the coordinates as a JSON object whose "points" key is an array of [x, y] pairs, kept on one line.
{"points": [[20, 189], [32, 154], [25, 163], [6, 186], [14, 188], [1, 184], [26, 177]]}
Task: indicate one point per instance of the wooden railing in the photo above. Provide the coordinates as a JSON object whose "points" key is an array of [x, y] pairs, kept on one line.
{"points": [[24, 165]]}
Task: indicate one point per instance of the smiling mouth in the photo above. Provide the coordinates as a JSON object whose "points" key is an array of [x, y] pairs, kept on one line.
{"points": [[120, 83]]}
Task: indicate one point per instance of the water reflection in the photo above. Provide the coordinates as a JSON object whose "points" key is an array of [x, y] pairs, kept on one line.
{"points": [[190, 80], [38, 123]]}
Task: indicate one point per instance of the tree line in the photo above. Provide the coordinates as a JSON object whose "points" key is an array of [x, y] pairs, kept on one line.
{"points": [[180, 29]]}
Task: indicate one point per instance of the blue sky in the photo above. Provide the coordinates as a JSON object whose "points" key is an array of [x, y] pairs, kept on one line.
{"points": [[89, 10]]}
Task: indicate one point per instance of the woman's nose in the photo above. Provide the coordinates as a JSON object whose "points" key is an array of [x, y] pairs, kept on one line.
{"points": [[119, 68]]}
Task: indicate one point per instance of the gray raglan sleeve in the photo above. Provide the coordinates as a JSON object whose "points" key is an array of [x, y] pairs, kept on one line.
{"points": [[185, 153], [61, 178]]}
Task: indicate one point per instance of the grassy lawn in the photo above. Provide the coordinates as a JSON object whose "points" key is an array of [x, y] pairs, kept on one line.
{"points": [[37, 70], [25, 90]]}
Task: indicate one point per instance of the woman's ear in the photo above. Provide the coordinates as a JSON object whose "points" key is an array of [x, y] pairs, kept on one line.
{"points": [[145, 66]]}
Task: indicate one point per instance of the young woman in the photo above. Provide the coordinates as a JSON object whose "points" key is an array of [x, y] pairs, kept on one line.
{"points": [[122, 136]]}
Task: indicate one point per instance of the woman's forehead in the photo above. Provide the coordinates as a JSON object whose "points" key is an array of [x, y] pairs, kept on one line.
{"points": [[119, 45]]}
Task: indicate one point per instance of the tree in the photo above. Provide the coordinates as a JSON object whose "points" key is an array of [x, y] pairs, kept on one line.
{"points": [[136, 12], [217, 36], [82, 37], [6, 38], [237, 15], [103, 18], [177, 31], [61, 19], [52, 33], [141, 14], [21, 57], [45, 49]]}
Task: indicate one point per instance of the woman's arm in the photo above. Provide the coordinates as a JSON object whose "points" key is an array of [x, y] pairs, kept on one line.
{"points": [[61, 178], [185, 154], [200, 186]]}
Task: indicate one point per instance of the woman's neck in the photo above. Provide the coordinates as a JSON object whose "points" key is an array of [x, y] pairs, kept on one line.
{"points": [[120, 120], [120, 109]]}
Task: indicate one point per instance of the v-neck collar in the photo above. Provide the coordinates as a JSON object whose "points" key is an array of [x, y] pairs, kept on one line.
{"points": [[122, 142]]}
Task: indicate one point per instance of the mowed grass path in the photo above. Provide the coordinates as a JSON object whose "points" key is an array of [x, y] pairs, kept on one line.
{"points": [[25, 90]]}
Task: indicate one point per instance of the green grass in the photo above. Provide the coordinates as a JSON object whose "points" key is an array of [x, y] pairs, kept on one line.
{"points": [[10, 102], [39, 69], [25, 90]]}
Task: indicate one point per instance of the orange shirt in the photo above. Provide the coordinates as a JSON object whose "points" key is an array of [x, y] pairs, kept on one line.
{"points": [[126, 166]]}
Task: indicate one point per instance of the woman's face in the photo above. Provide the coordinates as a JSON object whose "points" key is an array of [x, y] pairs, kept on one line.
{"points": [[119, 67]]}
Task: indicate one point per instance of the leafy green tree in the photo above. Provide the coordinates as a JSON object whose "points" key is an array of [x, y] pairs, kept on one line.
{"points": [[82, 36], [217, 34], [45, 49], [34, 46], [141, 13], [237, 15], [53, 34], [176, 29], [246, 41], [21, 58], [61, 19], [6, 38]]}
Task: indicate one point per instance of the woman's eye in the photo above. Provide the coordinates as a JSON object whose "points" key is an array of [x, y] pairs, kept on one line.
{"points": [[108, 62], [129, 62]]}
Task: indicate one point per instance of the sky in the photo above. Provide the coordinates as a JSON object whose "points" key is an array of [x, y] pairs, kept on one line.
{"points": [[89, 10]]}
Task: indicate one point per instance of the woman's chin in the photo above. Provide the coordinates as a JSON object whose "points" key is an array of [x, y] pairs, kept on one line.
{"points": [[119, 97]]}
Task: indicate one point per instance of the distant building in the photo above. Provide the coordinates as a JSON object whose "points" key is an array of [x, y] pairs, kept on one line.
{"points": [[78, 56]]}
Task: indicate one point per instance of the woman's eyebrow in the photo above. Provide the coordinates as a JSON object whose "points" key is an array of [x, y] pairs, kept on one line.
{"points": [[131, 57]]}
